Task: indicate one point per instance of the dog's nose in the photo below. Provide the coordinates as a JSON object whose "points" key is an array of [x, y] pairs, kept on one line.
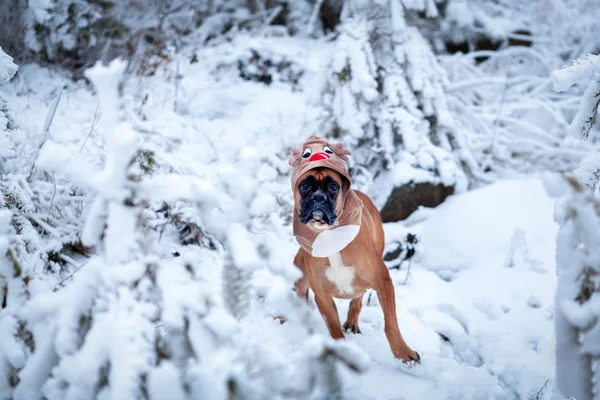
{"points": [[318, 196]]}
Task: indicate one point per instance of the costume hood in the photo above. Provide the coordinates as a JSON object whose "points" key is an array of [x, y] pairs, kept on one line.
{"points": [[318, 153]]}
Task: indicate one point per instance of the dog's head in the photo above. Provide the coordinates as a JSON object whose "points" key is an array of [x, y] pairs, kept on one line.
{"points": [[320, 182], [319, 197]]}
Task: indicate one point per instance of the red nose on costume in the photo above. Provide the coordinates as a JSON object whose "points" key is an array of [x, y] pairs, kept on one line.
{"points": [[319, 156]]}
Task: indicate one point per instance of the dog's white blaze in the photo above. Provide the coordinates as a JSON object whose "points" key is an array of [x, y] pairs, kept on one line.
{"points": [[341, 275]]}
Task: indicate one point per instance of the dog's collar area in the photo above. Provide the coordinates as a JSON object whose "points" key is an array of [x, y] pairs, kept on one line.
{"points": [[332, 241]]}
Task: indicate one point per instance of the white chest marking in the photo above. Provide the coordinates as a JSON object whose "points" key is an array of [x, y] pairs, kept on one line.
{"points": [[340, 275]]}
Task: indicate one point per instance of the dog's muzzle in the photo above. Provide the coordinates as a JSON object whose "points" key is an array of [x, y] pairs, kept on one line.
{"points": [[320, 211]]}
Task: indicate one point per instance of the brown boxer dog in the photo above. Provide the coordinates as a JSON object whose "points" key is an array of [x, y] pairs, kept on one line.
{"points": [[341, 237]]}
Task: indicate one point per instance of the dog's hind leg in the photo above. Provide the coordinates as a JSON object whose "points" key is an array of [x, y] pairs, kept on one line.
{"points": [[302, 287], [387, 299], [351, 323]]}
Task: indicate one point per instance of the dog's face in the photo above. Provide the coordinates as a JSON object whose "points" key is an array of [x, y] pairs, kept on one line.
{"points": [[319, 198]]}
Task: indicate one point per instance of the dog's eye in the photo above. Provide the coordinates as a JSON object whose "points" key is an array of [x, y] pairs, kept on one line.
{"points": [[327, 150], [333, 188], [305, 187], [306, 153]]}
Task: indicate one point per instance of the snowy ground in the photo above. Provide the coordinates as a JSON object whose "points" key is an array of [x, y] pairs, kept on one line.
{"points": [[478, 302]]}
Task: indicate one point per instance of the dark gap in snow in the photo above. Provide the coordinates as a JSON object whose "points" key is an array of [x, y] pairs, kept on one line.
{"points": [[480, 43], [329, 14], [267, 68], [433, 130], [520, 37]]}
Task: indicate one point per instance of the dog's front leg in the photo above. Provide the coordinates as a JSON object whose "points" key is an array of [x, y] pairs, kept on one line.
{"points": [[387, 298], [302, 284], [328, 310]]}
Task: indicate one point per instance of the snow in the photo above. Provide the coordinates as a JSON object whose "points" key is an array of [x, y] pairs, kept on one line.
{"points": [[160, 383], [581, 70], [242, 248], [8, 68], [502, 208], [500, 346]]}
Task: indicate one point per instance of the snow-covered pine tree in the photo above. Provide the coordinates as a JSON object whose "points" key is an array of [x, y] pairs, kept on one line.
{"points": [[578, 213], [8, 69], [72, 32], [13, 294], [131, 325], [577, 300], [15, 280], [385, 96]]}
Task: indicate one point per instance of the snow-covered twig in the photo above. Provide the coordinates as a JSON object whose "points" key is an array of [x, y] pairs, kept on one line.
{"points": [[95, 119], [60, 284], [269, 18], [46, 128], [52, 112], [310, 26], [177, 79], [261, 9]]}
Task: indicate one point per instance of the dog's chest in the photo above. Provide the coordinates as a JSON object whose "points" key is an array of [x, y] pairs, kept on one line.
{"points": [[339, 274]]}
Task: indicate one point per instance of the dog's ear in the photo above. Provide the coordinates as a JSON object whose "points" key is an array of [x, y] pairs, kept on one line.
{"points": [[296, 154], [340, 150], [345, 185]]}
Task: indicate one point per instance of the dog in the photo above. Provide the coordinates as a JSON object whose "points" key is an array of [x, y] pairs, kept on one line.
{"points": [[342, 242]]}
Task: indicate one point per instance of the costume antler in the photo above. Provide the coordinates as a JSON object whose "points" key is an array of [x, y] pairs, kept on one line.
{"points": [[340, 150], [296, 154]]}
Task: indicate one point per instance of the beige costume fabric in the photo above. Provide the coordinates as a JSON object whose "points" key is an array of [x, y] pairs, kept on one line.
{"points": [[318, 153]]}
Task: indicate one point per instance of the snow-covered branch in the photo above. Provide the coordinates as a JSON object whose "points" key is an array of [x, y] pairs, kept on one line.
{"points": [[583, 70]]}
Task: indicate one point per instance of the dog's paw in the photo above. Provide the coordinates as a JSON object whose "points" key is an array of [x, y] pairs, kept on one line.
{"points": [[408, 356], [351, 327]]}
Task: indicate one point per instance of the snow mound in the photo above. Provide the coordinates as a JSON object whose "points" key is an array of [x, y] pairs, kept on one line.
{"points": [[479, 226]]}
